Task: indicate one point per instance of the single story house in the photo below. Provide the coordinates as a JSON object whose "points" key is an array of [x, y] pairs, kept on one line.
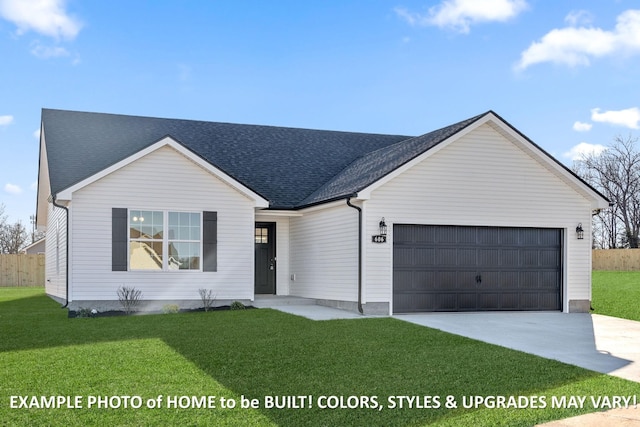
{"points": [[470, 217]]}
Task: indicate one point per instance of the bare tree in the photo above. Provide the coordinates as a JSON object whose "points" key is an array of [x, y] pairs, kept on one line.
{"points": [[13, 237], [616, 173]]}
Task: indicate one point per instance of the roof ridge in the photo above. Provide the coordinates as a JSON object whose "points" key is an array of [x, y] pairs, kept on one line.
{"points": [[173, 119]]}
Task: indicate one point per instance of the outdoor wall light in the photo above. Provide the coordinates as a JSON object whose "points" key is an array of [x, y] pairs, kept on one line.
{"points": [[383, 227], [579, 231], [382, 237]]}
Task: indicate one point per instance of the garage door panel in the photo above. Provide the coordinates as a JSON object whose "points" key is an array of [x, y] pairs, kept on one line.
{"points": [[466, 236], [447, 256], [467, 301], [508, 237], [466, 257], [549, 258], [487, 236], [459, 268], [510, 257], [425, 256], [466, 280], [489, 257]]}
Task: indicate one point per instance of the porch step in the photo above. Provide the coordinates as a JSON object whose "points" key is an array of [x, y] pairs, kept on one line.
{"points": [[266, 301]]}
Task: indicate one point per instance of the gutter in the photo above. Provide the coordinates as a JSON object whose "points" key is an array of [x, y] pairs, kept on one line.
{"points": [[66, 251], [359, 253]]}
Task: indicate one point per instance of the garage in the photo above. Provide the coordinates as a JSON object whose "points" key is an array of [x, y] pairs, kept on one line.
{"points": [[464, 268]]}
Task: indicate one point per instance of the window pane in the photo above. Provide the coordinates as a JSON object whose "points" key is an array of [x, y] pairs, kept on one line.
{"points": [[173, 218], [195, 219], [147, 232], [184, 233], [157, 218], [145, 255], [146, 217], [262, 235], [145, 224], [195, 233], [184, 256]]}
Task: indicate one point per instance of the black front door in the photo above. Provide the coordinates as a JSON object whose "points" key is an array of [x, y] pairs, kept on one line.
{"points": [[265, 258]]}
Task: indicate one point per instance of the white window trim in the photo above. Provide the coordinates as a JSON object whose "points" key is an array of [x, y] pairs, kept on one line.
{"points": [[165, 241]]}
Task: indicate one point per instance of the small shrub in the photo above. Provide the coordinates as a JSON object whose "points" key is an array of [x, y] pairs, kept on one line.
{"points": [[237, 305], [86, 312], [170, 308], [130, 298], [207, 297]]}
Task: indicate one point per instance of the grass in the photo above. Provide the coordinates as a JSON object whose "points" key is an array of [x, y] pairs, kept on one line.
{"points": [[259, 353], [617, 293]]}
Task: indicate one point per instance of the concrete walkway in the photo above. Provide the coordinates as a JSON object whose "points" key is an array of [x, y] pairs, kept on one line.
{"points": [[601, 343]]}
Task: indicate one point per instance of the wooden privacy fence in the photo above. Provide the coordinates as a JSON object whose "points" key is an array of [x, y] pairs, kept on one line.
{"points": [[616, 259], [21, 270]]}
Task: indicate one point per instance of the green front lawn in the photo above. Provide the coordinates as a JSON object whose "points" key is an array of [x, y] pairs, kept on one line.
{"points": [[617, 294], [261, 353]]}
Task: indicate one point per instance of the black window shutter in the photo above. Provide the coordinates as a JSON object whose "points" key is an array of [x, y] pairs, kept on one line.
{"points": [[210, 241], [119, 220]]}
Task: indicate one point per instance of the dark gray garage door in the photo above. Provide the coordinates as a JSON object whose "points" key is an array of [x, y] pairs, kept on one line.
{"points": [[453, 268]]}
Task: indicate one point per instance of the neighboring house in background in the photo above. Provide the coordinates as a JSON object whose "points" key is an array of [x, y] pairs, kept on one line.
{"points": [[37, 247], [477, 216]]}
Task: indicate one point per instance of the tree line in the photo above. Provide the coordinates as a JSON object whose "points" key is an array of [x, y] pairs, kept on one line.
{"points": [[615, 172]]}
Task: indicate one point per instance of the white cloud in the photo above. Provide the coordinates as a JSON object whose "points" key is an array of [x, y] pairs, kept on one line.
{"points": [[578, 152], [582, 127], [36, 134], [34, 185], [627, 118], [12, 188], [575, 46], [46, 17], [576, 17], [6, 120], [46, 52], [459, 15]]}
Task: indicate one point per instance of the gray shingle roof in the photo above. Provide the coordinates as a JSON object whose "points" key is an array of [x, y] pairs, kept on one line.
{"points": [[375, 165], [289, 167]]}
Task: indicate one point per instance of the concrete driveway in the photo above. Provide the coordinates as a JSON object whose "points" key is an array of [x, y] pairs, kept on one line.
{"points": [[601, 343]]}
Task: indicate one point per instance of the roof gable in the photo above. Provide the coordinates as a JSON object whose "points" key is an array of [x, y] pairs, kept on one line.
{"points": [[375, 165], [67, 193]]}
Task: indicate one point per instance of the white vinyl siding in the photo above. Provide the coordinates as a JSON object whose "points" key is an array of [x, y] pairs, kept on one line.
{"points": [[324, 254], [162, 180], [56, 250], [482, 179]]}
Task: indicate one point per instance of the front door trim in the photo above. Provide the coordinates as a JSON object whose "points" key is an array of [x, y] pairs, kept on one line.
{"points": [[265, 258]]}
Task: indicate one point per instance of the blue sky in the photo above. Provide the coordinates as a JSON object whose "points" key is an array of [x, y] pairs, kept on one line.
{"points": [[566, 73]]}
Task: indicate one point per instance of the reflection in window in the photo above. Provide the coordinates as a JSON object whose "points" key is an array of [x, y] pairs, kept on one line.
{"points": [[262, 235], [184, 241], [145, 240], [150, 237]]}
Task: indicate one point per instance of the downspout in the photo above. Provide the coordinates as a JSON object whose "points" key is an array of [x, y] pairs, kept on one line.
{"points": [[359, 253], [66, 251]]}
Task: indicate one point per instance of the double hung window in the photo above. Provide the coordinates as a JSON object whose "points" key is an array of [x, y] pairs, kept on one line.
{"points": [[165, 240]]}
